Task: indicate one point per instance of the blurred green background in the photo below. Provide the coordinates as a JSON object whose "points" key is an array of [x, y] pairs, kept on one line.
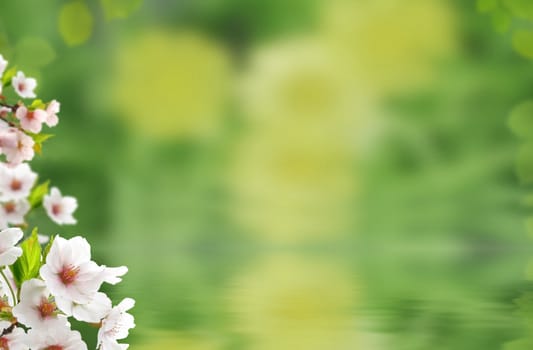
{"points": [[295, 174]]}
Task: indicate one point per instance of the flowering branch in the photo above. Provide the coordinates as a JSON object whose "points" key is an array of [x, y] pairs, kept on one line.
{"points": [[47, 284]]}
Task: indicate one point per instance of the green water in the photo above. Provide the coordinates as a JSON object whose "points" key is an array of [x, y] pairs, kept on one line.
{"points": [[342, 298]]}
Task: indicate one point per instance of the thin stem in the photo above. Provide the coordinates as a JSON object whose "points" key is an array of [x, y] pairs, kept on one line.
{"points": [[10, 287]]}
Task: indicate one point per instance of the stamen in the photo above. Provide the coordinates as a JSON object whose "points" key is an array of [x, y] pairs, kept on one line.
{"points": [[16, 185], [10, 207], [4, 343], [54, 347], [68, 274], [56, 209], [47, 308]]}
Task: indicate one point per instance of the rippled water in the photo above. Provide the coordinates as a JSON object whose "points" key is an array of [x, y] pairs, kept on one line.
{"points": [[440, 297]]}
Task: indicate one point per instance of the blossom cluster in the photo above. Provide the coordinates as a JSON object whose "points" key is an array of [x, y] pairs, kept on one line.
{"points": [[45, 281], [20, 139]]}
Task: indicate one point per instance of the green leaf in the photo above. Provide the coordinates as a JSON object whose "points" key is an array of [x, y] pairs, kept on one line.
{"points": [[8, 74], [38, 104], [27, 266], [75, 23], [523, 42], [38, 193], [39, 139], [47, 248]]}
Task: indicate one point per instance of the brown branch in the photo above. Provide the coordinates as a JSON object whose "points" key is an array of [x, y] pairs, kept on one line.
{"points": [[13, 109], [9, 329]]}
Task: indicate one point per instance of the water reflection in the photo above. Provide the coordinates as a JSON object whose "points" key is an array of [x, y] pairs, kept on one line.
{"points": [[290, 302], [295, 299], [157, 339]]}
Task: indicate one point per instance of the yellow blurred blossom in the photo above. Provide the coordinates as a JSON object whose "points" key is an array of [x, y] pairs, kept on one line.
{"points": [[292, 174], [172, 84], [390, 44], [291, 185], [300, 80]]}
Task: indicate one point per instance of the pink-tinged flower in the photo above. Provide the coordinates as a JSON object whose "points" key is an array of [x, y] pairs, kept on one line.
{"points": [[55, 338], [8, 252], [37, 307], [15, 340], [59, 208], [16, 182], [3, 65], [52, 110], [22, 151], [24, 86], [69, 272], [8, 136], [4, 112], [91, 312], [31, 121], [15, 211], [116, 326]]}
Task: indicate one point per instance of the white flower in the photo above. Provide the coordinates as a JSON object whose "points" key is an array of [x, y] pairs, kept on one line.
{"points": [[8, 252], [15, 211], [52, 110], [43, 239], [16, 182], [31, 121], [3, 65], [69, 272], [59, 208], [55, 338], [22, 149], [116, 326], [24, 86], [112, 274], [37, 307], [16, 340], [92, 312]]}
